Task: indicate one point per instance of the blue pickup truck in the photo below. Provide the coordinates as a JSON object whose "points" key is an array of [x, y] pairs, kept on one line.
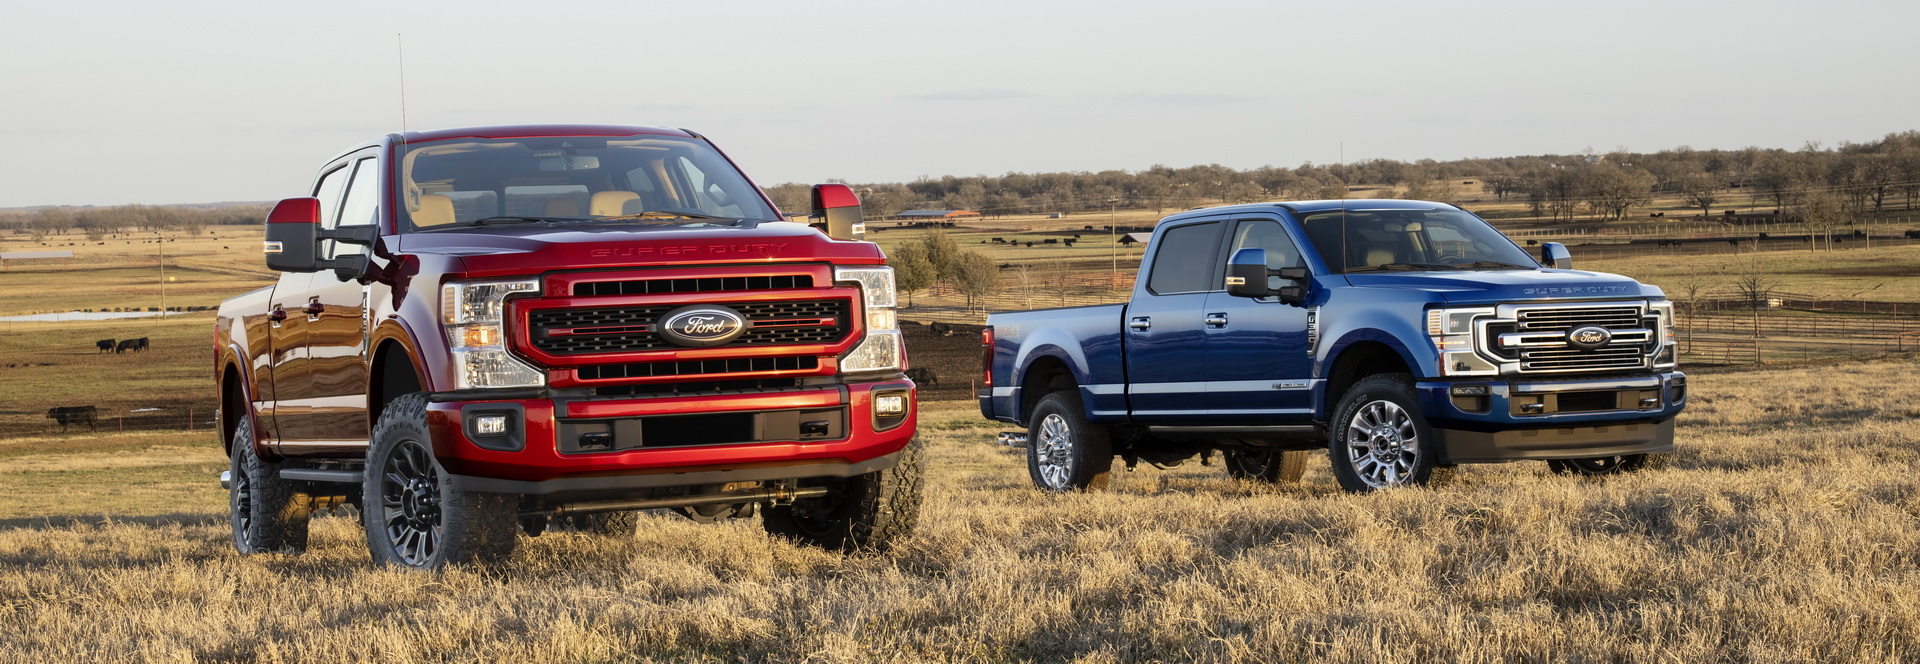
{"points": [[1404, 337]]}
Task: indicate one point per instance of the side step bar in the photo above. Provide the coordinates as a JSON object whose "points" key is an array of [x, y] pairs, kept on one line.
{"points": [[318, 475]]}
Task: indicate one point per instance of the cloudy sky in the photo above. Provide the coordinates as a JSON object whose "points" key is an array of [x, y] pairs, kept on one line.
{"points": [[115, 102]]}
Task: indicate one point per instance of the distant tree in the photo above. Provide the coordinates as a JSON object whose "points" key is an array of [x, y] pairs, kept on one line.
{"points": [[1700, 190], [942, 254], [1755, 289], [1058, 280], [1611, 190], [911, 270], [792, 197], [1821, 211], [975, 276]]}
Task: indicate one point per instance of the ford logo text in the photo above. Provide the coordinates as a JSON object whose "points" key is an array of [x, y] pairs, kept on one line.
{"points": [[1590, 337], [702, 325]]}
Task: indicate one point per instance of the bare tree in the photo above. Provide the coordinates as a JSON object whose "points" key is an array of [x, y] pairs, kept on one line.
{"points": [[1755, 289], [1059, 280], [1700, 190], [1822, 211]]}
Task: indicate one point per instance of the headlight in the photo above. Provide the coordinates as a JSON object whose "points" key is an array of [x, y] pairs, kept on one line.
{"points": [[474, 315], [1451, 331], [881, 349], [1668, 354]]}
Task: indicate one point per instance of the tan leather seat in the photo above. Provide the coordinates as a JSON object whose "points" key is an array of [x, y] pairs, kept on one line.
{"points": [[1380, 257], [611, 203], [435, 210]]}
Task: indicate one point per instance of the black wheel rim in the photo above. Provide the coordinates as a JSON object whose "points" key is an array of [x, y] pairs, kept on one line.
{"points": [[242, 505], [410, 503], [1597, 465], [1249, 464]]}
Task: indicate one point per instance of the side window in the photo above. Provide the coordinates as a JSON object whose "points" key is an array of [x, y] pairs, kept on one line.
{"points": [[328, 192], [1185, 261], [707, 193], [1269, 235], [362, 205]]}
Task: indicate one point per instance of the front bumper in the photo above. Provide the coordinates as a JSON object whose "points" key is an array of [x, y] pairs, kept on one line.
{"points": [[1493, 421], [666, 441]]}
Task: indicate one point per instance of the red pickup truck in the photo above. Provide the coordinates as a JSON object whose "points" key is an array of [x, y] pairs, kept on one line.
{"points": [[482, 332]]}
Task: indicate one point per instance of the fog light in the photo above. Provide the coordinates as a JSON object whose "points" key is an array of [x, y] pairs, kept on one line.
{"points": [[890, 405], [489, 425]]}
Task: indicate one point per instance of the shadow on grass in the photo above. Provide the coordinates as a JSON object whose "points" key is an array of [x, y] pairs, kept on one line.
{"points": [[63, 521]]}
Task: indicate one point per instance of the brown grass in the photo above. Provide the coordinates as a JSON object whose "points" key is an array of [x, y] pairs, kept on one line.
{"points": [[1788, 529]]}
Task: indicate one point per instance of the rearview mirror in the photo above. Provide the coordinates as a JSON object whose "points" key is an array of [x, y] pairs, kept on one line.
{"points": [[1555, 255], [1247, 276], [836, 211], [293, 235]]}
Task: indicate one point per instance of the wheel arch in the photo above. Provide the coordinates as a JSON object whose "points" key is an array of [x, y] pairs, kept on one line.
{"points": [[395, 373], [1045, 374], [1355, 361]]}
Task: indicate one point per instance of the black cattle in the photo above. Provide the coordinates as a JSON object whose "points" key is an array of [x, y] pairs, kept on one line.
{"points": [[941, 329], [125, 345], [73, 415], [141, 343], [105, 345], [924, 376]]}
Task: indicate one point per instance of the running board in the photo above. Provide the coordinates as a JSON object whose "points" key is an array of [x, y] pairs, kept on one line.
{"points": [[1284, 431]]}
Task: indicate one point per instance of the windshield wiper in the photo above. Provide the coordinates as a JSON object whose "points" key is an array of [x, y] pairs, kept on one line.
{"points": [[489, 221], [1495, 265], [668, 214], [1400, 266]]}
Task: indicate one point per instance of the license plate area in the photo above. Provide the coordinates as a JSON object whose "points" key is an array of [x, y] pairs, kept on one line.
{"points": [[622, 434]]}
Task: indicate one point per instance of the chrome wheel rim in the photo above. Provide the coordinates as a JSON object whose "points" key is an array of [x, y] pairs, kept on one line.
{"points": [[410, 503], [1249, 464], [1053, 452], [1382, 445]]}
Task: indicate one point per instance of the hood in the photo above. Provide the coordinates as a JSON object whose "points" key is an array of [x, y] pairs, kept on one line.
{"points": [[531, 248], [1494, 286]]}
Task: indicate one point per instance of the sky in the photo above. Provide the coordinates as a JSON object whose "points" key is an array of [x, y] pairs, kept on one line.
{"points": [[114, 102]]}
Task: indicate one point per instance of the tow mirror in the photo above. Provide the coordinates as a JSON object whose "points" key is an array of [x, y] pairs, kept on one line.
{"points": [[836, 211], [1247, 273], [294, 235], [1555, 255], [1247, 276]]}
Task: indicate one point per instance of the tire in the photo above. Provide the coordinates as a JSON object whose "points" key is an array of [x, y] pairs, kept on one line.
{"points": [[870, 512], [1064, 451], [268, 514], [1611, 465], [415, 516], [1379, 439], [1270, 466]]}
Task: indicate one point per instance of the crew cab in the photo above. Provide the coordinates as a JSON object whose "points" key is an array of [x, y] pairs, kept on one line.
{"points": [[487, 331], [1404, 337]]}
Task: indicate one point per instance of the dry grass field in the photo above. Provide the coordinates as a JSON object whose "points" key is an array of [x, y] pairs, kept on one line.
{"points": [[1787, 529]]}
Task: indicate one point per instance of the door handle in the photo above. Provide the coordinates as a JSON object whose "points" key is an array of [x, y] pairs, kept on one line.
{"points": [[314, 307], [278, 314], [1216, 320], [1141, 323]]}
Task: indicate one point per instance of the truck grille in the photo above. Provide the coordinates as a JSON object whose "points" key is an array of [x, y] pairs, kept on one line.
{"points": [[1540, 341], [629, 329], [691, 285]]}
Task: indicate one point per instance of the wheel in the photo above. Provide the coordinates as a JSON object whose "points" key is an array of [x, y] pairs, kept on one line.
{"points": [[1272, 466], [605, 524], [1064, 452], [1609, 465], [870, 512], [1378, 438], [415, 515], [269, 515]]}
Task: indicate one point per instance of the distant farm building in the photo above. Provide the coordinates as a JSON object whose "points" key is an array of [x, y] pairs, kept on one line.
{"points": [[1135, 238], [8, 257]]}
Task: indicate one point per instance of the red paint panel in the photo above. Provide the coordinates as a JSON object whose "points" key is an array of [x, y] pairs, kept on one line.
{"points": [[295, 211], [829, 196]]}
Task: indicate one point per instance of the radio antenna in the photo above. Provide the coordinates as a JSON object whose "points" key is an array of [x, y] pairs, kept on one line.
{"points": [[400, 44]]}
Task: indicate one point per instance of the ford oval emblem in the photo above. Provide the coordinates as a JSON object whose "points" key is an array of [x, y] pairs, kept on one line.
{"points": [[702, 325], [1590, 337]]}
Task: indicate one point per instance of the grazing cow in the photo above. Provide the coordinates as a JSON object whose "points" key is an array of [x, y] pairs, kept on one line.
{"points": [[924, 376], [142, 343], [125, 345], [105, 345], [941, 329], [74, 415]]}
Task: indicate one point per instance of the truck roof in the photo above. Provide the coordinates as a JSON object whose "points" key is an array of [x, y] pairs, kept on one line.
{"points": [[1320, 206], [536, 130]]}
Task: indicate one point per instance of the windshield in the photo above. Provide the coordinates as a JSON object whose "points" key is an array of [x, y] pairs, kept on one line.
{"points": [[1441, 239], [573, 179]]}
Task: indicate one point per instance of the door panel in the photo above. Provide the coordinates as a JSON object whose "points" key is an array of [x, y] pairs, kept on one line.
{"points": [[1165, 341], [327, 411], [1258, 364]]}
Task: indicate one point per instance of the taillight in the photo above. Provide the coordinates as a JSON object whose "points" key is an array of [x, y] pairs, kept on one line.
{"points": [[986, 356]]}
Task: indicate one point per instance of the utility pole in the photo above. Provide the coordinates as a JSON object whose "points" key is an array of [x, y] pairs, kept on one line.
{"points": [[163, 274], [1113, 238]]}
